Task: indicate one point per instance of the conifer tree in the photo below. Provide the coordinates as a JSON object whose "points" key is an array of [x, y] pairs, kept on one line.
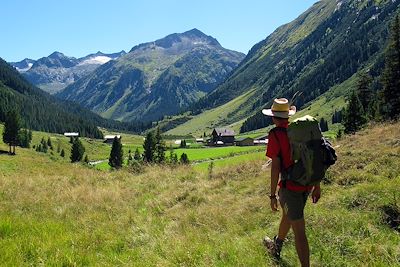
{"points": [[44, 146], [11, 130], [183, 144], [323, 124], [24, 138], [130, 158], [39, 148], [116, 156], [149, 146], [49, 144], [173, 157], [337, 116], [184, 159], [77, 150], [364, 91], [86, 160], [159, 155], [391, 74], [354, 116]]}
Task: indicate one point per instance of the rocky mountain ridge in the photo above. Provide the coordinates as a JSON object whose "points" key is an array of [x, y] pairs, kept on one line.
{"points": [[156, 78]]}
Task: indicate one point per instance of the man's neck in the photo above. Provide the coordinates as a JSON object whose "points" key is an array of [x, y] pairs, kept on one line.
{"points": [[282, 124]]}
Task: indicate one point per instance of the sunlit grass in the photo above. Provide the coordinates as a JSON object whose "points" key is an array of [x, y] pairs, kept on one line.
{"points": [[55, 213]]}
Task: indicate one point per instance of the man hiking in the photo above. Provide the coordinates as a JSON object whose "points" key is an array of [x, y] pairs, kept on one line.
{"points": [[292, 195]]}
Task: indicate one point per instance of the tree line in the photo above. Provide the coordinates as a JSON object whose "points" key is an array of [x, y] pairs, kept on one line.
{"points": [[154, 152], [154, 146], [365, 104]]}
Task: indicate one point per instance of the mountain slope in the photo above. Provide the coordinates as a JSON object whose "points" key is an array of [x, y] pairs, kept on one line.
{"points": [[322, 48], [155, 79], [56, 71], [43, 112]]}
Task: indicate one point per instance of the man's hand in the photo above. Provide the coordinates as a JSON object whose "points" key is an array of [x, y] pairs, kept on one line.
{"points": [[274, 204], [316, 194]]}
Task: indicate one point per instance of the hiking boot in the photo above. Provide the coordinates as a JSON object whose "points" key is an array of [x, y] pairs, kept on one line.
{"points": [[274, 246]]}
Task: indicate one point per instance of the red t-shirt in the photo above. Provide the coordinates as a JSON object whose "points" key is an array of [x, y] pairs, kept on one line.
{"points": [[279, 146]]}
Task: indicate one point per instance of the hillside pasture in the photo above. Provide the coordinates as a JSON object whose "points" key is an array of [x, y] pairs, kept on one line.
{"points": [[55, 213]]}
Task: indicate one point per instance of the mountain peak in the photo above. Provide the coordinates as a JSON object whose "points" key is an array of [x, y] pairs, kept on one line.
{"points": [[193, 36], [197, 34], [56, 55]]}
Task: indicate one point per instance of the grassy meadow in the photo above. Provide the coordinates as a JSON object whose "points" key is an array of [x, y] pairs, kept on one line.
{"points": [[53, 212]]}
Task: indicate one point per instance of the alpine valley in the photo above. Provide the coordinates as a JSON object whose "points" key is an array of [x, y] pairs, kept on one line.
{"points": [[193, 84], [98, 179]]}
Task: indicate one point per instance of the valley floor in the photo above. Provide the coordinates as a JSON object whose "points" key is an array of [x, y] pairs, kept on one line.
{"points": [[56, 213]]}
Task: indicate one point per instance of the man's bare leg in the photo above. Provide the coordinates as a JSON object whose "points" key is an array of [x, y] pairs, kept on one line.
{"points": [[284, 226], [301, 242]]}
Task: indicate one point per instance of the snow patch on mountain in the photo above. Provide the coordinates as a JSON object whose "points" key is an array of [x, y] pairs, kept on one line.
{"points": [[25, 69], [97, 60]]}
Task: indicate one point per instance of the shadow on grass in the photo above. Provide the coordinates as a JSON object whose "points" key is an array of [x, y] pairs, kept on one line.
{"points": [[391, 216], [4, 152], [279, 262]]}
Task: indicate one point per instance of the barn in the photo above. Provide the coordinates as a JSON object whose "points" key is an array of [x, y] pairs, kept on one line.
{"points": [[245, 141]]}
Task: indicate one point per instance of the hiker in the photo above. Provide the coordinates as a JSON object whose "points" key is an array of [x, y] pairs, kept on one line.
{"points": [[292, 195]]}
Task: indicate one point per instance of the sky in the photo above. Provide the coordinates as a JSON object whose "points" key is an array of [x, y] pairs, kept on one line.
{"points": [[36, 28]]}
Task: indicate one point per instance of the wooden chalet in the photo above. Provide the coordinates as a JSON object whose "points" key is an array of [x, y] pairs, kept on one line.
{"points": [[222, 137]]}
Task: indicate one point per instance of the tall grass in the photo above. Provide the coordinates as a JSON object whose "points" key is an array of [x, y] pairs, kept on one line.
{"points": [[56, 213]]}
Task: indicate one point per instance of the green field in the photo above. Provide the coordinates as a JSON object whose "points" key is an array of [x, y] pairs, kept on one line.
{"points": [[224, 155], [230, 161], [99, 151], [210, 153]]}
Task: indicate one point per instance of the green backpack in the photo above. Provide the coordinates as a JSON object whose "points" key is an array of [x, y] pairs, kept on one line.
{"points": [[311, 152]]}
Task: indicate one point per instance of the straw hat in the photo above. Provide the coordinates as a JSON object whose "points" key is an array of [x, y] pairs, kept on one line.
{"points": [[280, 108]]}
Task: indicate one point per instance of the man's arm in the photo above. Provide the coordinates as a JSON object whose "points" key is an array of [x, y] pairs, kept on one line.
{"points": [[275, 170]]}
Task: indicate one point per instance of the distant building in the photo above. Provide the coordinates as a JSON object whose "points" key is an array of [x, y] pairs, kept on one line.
{"points": [[71, 134], [222, 137], [178, 142], [245, 141], [262, 140], [110, 138], [199, 140]]}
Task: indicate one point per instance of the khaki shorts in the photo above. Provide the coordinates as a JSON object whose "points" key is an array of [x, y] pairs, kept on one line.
{"points": [[293, 203]]}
